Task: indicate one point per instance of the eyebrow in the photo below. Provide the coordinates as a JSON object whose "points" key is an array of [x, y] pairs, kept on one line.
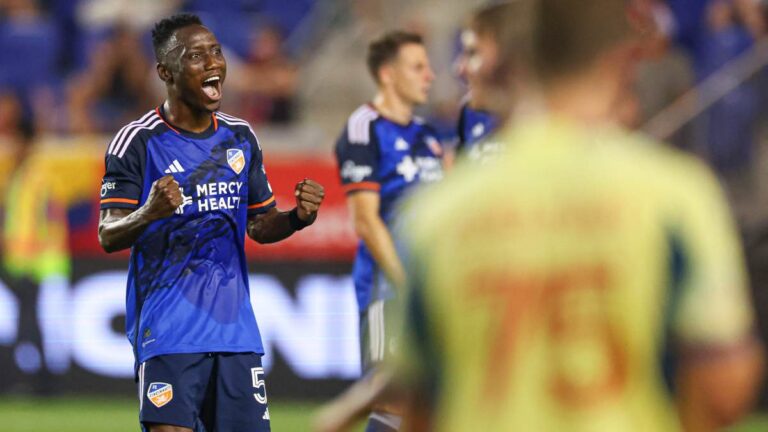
{"points": [[203, 45]]}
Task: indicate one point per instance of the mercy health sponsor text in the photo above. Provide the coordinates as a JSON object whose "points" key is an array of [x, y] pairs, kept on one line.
{"points": [[218, 196]]}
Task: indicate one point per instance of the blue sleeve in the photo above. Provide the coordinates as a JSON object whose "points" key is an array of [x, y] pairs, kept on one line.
{"points": [[358, 163], [121, 186], [260, 196]]}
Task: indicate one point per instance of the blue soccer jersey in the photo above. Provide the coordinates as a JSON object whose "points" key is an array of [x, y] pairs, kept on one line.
{"points": [[187, 281], [475, 126], [378, 154]]}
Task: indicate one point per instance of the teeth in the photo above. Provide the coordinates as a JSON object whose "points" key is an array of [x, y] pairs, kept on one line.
{"points": [[211, 79]]}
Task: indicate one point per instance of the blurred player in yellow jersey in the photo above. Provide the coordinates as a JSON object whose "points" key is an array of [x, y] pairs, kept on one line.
{"points": [[587, 280], [550, 289]]}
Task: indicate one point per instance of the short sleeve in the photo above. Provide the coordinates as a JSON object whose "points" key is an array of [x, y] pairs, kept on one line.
{"points": [[713, 306], [260, 195], [358, 163], [122, 184]]}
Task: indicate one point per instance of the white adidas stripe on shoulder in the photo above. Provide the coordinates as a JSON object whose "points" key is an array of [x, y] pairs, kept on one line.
{"points": [[121, 134], [123, 139], [229, 117], [234, 121], [359, 125], [156, 122]]}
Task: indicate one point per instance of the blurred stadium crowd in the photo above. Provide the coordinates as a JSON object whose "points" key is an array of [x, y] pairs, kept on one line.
{"points": [[85, 66]]}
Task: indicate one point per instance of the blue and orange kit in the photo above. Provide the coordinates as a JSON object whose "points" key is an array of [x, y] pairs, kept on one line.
{"points": [[187, 282], [377, 154]]}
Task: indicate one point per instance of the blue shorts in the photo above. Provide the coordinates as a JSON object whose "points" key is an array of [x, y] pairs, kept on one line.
{"points": [[223, 392]]}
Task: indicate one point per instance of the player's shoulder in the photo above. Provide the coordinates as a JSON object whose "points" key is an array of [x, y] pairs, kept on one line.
{"points": [[671, 180], [134, 133], [605, 150], [228, 120], [425, 125], [358, 127], [658, 160], [466, 108], [235, 124], [232, 122]]}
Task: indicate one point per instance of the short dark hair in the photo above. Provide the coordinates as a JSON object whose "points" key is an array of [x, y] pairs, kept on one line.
{"points": [[165, 28], [491, 20], [385, 49], [508, 24], [571, 34]]}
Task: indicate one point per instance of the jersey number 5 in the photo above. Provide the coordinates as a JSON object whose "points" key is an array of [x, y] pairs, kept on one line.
{"points": [[258, 383]]}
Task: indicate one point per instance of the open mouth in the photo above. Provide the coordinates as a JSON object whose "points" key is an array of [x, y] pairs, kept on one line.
{"points": [[212, 87]]}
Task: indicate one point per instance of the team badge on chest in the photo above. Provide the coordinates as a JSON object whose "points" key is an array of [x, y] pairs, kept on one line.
{"points": [[160, 393], [236, 160]]}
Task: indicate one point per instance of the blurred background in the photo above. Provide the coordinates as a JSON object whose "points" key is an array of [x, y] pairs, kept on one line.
{"points": [[72, 72]]}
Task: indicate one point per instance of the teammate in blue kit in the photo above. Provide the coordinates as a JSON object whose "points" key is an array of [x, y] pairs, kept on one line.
{"points": [[383, 152], [486, 106], [474, 126], [183, 185]]}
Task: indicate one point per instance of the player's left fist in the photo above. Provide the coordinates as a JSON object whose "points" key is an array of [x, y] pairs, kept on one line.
{"points": [[309, 196]]}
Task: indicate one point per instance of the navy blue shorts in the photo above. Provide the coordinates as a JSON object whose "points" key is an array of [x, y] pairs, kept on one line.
{"points": [[222, 392]]}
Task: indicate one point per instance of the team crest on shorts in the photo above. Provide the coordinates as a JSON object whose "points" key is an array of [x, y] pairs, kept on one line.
{"points": [[160, 393], [236, 160]]}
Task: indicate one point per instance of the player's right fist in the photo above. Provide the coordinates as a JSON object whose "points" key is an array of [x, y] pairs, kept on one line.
{"points": [[164, 198]]}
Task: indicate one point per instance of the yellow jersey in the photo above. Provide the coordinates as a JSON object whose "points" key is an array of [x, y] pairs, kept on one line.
{"points": [[546, 286]]}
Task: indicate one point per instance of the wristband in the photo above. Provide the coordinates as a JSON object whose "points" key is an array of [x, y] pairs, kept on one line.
{"points": [[296, 223]]}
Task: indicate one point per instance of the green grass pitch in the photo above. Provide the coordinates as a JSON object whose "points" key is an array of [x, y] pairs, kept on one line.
{"points": [[78, 414]]}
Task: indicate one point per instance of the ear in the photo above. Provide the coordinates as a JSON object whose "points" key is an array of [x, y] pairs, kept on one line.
{"points": [[164, 73], [385, 74]]}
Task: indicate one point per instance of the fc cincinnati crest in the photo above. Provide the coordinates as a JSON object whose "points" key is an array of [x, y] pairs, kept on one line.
{"points": [[160, 393], [236, 160]]}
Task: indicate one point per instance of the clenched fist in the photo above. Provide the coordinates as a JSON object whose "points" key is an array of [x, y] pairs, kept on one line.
{"points": [[164, 198], [309, 196]]}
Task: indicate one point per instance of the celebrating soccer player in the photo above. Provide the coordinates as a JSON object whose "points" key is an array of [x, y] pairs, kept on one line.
{"points": [[383, 152], [183, 185]]}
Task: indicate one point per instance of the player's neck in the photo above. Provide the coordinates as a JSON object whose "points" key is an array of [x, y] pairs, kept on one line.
{"points": [[582, 100], [184, 117], [393, 107]]}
